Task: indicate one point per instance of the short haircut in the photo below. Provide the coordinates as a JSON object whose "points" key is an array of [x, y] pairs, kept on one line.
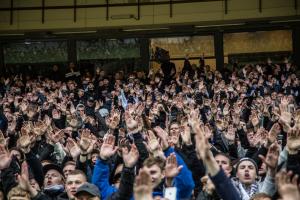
{"points": [[149, 162], [225, 155], [69, 163], [78, 172]]}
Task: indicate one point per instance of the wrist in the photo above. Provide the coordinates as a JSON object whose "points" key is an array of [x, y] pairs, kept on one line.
{"points": [[84, 153], [291, 151], [104, 158], [169, 181]]}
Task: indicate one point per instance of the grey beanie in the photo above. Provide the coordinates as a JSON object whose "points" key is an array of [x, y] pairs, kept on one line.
{"points": [[247, 159]]}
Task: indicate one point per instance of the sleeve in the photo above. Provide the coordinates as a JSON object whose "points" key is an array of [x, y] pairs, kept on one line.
{"points": [[184, 180], [59, 152], [224, 186], [261, 151], [293, 164], [40, 196], [125, 191], [101, 179], [46, 152], [36, 167], [8, 178], [195, 165], [143, 153], [268, 186]]}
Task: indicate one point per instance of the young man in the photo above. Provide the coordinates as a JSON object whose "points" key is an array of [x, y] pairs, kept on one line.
{"points": [[172, 174], [74, 180]]}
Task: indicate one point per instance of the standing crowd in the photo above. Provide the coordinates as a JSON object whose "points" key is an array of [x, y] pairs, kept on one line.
{"points": [[198, 134]]}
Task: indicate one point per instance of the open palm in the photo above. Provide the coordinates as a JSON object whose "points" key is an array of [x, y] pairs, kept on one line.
{"points": [[108, 148]]}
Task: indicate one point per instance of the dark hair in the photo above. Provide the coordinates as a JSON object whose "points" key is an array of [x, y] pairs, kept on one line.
{"points": [[225, 155]]}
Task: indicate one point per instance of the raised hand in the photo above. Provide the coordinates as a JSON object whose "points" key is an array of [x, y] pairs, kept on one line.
{"points": [[287, 186], [114, 119], [186, 135], [193, 119], [55, 136], [230, 135], [131, 157], [207, 132], [39, 128], [140, 109], [143, 186], [272, 156], [273, 133], [24, 143], [3, 140], [131, 121], [86, 142], [293, 140], [163, 135], [72, 148], [12, 126], [172, 169], [5, 157], [23, 178], [108, 148], [153, 144]]}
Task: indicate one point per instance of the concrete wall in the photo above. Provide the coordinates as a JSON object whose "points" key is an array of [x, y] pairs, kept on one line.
{"points": [[192, 13]]}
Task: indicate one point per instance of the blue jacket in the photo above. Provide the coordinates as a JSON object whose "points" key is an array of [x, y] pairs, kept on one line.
{"points": [[224, 186], [184, 181], [101, 179]]}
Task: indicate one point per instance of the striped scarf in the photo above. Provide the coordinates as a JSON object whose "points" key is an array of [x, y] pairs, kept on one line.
{"points": [[245, 194]]}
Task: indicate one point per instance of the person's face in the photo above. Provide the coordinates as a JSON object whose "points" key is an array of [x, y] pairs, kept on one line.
{"points": [[156, 174], [80, 93], [73, 183], [268, 100], [246, 172], [105, 82], [86, 196], [81, 111], [224, 163], [94, 158], [53, 177], [67, 169], [174, 129]]}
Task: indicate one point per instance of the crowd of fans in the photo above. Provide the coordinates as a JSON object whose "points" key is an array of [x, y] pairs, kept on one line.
{"points": [[195, 134]]}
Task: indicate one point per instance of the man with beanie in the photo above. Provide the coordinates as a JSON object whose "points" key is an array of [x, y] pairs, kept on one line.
{"points": [[246, 178]]}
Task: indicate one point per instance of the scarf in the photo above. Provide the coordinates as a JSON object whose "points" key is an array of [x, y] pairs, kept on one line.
{"points": [[55, 189], [246, 194]]}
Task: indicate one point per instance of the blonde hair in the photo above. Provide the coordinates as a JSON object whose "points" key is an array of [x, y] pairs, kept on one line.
{"points": [[18, 191]]}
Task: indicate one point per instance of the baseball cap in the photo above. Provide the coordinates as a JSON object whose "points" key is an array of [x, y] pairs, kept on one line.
{"points": [[88, 188]]}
